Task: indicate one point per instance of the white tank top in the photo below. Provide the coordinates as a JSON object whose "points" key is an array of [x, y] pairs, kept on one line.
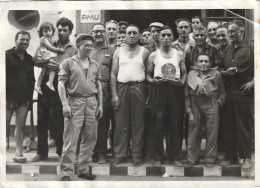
{"points": [[160, 61], [131, 69]]}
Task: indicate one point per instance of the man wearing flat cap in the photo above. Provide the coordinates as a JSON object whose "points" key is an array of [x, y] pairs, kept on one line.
{"points": [[122, 26], [155, 29], [79, 78]]}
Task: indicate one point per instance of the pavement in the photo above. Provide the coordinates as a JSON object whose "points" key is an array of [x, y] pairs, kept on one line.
{"points": [[50, 169]]}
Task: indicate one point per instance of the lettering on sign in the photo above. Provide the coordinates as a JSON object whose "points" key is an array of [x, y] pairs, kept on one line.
{"points": [[90, 16]]}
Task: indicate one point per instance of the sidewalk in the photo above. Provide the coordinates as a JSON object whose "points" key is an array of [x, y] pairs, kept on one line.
{"points": [[52, 166]]}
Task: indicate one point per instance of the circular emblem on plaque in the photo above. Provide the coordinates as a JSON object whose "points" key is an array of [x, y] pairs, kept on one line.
{"points": [[168, 70]]}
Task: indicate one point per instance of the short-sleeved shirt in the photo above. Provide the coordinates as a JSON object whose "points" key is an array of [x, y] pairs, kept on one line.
{"points": [[193, 54], [241, 57], [104, 57], [78, 83]]}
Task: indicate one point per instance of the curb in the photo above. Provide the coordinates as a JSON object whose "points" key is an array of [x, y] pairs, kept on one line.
{"points": [[105, 170]]}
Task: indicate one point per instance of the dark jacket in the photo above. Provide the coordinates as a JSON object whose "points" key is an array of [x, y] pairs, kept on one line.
{"points": [[19, 77]]}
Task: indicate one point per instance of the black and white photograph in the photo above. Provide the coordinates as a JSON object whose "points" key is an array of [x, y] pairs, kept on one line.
{"points": [[129, 94]]}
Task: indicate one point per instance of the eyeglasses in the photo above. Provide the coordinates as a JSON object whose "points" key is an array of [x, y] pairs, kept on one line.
{"points": [[98, 31]]}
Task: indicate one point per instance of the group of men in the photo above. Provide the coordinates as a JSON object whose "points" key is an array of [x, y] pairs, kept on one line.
{"points": [[140, 87]]}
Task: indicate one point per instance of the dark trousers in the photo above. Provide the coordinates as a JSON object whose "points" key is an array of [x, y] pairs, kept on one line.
{"points": [[148, 139], [237, 120], [104, 122], [167, 109], [49, 114], [131, 111]]}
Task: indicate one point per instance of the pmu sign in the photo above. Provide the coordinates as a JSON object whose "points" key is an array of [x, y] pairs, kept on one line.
{"points": [[90, 16]]}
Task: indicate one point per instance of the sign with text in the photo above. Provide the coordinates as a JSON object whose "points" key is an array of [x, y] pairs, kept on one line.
{"points": [[90, 16]]}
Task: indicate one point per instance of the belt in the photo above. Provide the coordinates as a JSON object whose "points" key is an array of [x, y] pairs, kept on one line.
{"points": [[131, 83], [80, 95]]}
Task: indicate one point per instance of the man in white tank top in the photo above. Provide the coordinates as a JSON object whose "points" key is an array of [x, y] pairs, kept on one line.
{"points": [[129, 96], [167, 98]]}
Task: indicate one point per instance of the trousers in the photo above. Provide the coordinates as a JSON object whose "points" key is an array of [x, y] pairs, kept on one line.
{"points": [[237, 118], [104, 122], [208, 108], [83, 120], [131, 112], [50, 117], [167, 109]]}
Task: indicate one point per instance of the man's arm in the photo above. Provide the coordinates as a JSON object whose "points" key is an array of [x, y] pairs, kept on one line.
{"points": [[113, 79], [99, 112], [221, 92], [67, 111]]}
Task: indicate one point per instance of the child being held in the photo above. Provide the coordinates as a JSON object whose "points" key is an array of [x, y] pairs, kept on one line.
{"points": [[46, 55], [204, 95]]}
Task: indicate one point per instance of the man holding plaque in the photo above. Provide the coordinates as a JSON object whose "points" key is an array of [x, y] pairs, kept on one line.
{"points": [[167, 97]]}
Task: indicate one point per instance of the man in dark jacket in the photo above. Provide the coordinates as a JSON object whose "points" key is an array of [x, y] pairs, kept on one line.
{"points": [[19, 88]]}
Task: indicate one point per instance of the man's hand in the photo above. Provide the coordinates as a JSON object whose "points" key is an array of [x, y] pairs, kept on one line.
{"points": [[176, 81], [115, 101], [61, 50], [158, 80], [192, 121], [99, 112], [67, 111], [248, 87], [232, 71]]}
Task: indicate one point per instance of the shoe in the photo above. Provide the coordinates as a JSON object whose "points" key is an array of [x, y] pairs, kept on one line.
{"points": [[177, 163], [65, 178], [102, 159], [137, 162], [157, 163], [38, 89], [247, 164], [118, 161], [39, 158], [209, 165], [225, 163], [191, 164], [20, 159], [87, 176], [50, 85]]}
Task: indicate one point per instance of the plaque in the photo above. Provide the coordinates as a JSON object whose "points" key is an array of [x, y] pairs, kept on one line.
{"points": [[168, 70]]}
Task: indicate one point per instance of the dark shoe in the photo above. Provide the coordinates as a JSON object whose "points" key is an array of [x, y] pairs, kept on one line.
{"points": [[118, 161], [65, 178], [87, 176], [39, 158], [191, 164], [137, 162], [102, 159], [177, 163]]}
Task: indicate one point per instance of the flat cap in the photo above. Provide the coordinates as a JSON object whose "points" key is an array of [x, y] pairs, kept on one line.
{"points": [[156, 24], [84, 36]]}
